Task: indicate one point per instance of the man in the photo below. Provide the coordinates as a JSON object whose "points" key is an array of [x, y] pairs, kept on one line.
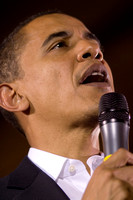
{"points": [[56, 78]]}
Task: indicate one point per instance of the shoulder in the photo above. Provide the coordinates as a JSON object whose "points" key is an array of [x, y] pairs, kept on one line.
{"points": [[29, 182], [15, 182], [3, 188], [3, 182]]}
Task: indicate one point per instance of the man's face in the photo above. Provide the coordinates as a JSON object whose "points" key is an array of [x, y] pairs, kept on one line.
{"points": [[65, 75]]}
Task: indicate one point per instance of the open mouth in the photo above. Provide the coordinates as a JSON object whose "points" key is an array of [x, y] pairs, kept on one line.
{"points": [[95, 77], [95, 74]]}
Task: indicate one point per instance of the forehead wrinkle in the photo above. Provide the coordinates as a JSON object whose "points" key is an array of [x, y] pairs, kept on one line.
{"points": [[62, 33]]}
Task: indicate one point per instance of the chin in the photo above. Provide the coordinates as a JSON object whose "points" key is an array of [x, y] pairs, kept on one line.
{"points": [[97, 94]]}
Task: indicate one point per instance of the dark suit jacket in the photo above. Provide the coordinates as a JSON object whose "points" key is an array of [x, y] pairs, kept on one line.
{"points": [[28, 182]]}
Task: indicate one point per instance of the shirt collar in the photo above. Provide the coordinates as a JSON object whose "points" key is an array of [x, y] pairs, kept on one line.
{"points": [[47, 162], [57, 166], [94, 161]]}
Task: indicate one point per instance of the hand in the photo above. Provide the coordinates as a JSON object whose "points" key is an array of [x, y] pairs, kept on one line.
{"points": [[113, 179]]}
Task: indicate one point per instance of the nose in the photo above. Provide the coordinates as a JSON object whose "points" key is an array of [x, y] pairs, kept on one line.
{"points": [[89, 50]]}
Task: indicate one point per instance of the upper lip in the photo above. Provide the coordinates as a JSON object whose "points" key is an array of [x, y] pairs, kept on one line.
{"points": [[98, 68]]}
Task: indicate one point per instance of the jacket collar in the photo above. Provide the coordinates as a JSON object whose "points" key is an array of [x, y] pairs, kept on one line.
{"points": [[24, 175], [34, 183]]}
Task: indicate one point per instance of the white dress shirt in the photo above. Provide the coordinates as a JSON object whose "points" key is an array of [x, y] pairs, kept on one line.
{"points": [[70, 174]]}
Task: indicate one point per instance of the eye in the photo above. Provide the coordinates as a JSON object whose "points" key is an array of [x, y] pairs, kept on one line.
{"points": [[59, 45]]}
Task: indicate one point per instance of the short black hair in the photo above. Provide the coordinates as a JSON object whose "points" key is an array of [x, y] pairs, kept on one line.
{"points": [[10, 52]]}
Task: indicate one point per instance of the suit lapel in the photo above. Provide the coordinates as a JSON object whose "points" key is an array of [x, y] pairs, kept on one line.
{"points": [[34, 184]]}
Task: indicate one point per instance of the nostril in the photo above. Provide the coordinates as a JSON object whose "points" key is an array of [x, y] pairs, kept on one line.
{"points": [[98, 56], [86, 55]]}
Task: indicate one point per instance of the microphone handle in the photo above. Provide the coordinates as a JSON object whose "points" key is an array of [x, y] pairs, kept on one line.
{"points": [[114, 136]]}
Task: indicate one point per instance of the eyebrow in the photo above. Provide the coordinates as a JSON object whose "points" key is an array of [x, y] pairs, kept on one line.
{"points": [[65, 34], [92, 36], [62, 34]]}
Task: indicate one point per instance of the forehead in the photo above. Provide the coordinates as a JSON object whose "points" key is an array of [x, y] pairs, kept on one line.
{"points": [[52, 23]]}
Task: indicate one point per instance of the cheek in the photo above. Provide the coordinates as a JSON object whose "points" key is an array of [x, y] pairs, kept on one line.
{"points": [[47, 87]]}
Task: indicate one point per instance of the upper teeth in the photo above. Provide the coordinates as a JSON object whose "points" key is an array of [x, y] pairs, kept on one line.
{"points": [[97, 73]]}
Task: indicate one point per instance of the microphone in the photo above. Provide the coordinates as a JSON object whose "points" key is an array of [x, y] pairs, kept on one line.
{"points": [[114, 121]]}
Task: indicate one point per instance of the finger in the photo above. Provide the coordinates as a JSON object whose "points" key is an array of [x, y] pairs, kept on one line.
{"points": [[125, 174], [121, 190], [120, 158]]}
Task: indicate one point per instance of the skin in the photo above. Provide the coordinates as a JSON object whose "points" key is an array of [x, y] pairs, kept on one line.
{"points": [[58, 101], [58, 114]]}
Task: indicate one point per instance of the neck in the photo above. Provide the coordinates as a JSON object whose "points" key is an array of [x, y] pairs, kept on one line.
{"points": [[72, 144], [76, 142]]}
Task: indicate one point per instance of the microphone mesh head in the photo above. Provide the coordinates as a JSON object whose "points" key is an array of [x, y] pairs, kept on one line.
{"points": [[113, 106]]}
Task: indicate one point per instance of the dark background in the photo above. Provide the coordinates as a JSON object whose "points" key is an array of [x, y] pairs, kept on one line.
{"points": [[111, 21]]}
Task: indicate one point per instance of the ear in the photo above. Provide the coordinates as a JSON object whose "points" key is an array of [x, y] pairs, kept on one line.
{"points": [[12, 101]]}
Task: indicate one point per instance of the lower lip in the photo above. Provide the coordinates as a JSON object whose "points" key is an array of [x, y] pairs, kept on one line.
{"points": [[98, 84]]}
